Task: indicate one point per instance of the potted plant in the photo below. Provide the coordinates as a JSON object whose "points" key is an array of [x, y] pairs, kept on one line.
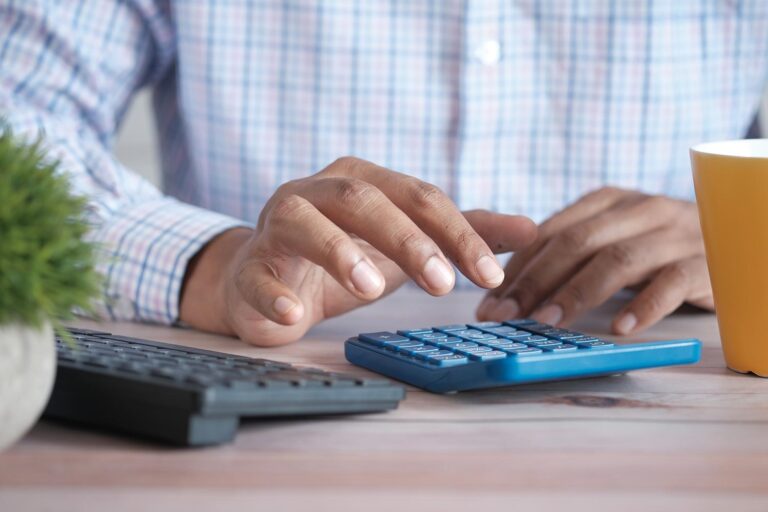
{"points": [[46, 271]]}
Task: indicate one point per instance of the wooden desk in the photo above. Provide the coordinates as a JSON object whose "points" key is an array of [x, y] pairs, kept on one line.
{"points": [[665, 439]]}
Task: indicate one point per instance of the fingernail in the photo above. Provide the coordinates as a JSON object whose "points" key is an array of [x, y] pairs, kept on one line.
{"points": [[487, 305], [437, 274], [490, 271], [507, 309], [626, 323], [283, 305], [365, 278], [550, 314]]}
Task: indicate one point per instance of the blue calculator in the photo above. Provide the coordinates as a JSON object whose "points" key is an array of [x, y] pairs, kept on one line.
{"points": [[479, 355]]}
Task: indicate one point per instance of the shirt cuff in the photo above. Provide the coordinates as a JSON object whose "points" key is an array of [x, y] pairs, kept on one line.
{"points": [[145, 251]]}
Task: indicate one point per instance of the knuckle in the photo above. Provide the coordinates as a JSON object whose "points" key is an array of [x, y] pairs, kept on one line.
{"points": [[411, 241], [573, 239], [656, 204], [353, 193], [334, 247], [619, 255], [426, 195], [527, 289], [677, 272], [466, 241], [347, 164], [607, 191], [654, 305], [574, 295], [289, 205]]}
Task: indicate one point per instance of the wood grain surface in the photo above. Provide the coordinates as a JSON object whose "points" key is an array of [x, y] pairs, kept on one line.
{"points": [[663, 439]]}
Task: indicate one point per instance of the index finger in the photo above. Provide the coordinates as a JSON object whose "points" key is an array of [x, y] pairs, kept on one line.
{"points": [[434, 212]]}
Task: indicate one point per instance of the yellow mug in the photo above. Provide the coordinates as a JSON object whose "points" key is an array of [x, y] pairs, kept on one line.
{"points": [[731, 181]]}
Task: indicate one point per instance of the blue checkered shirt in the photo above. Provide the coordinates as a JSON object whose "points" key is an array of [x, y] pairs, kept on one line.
{"points": [[514, 105]]}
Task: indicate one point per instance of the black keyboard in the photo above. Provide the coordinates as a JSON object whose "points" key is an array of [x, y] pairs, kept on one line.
{"points": [[191, 397]]}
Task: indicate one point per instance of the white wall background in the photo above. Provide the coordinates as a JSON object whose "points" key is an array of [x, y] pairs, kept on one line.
{"points": [[136, 146], [137, 149]]}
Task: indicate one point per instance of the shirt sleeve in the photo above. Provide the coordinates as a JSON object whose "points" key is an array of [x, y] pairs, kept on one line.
{"points": [[68, 71]]}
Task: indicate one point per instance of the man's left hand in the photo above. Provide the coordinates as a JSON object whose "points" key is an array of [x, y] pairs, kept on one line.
{"points": [[608, 240]]}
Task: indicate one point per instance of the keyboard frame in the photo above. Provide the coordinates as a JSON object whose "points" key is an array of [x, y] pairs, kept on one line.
{"points": [[193, 414], [515, 370]]}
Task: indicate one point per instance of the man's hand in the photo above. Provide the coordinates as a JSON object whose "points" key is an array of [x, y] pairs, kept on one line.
{"points": [[608, 240], [336, 240]]}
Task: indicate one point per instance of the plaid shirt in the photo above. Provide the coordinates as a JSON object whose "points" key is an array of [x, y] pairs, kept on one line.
{"points": [[515, 105]]}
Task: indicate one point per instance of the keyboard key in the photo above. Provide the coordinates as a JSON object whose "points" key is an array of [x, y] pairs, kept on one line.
{"points": [[381, 338], [560, 348], [409, 332], [451, 328], [449, 360]]}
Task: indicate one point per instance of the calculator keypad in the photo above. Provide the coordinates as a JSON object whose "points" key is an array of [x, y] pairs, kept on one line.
{"points": [[458, 344]]}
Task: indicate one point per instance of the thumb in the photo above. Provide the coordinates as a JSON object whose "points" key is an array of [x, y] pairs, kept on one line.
{"points": [[502, 233]]}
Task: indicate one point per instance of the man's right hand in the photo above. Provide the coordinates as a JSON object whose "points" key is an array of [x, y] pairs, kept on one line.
{"points": [[336, 240]]}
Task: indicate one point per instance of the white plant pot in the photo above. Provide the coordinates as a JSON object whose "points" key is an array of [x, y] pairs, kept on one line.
{"points": [[27, 370]]}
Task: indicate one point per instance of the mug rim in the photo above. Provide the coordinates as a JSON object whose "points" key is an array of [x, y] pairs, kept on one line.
{"points": [[735, 148]]}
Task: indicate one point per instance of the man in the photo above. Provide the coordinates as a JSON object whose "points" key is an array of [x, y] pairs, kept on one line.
{"points": [[511, 106]]}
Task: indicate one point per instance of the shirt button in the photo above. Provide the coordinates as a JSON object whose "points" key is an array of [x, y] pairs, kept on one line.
{"points": [[488, 53]]}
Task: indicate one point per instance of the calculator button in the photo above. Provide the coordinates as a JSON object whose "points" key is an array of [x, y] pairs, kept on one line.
{"points": [[537, 327], [451, 328], [560, 348], [474, 350], [464, 345], [574, 338], [447, 342], [394, 345], [484, 325], [531, 339], [583, 339], [428, 355], [381, 338], [420, 350], [596, 344], [449, 360], [520, 322], [524, 351], [545, 343], [518, 334], [409, 332], [474, 334], [504, 330], [510, 346], [429, 336], [407, 347], [487, 356]]}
